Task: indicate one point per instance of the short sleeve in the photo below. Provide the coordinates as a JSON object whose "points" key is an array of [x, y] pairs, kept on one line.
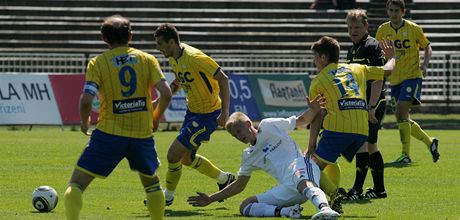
{"points": [[374, 72], [422, 40]]}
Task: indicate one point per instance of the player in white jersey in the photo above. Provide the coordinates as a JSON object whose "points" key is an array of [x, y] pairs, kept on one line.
{"points": [[272, 150]]}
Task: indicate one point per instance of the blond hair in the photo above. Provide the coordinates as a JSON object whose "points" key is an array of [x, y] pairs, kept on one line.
{"points": [[236, 119], [356, 15]]}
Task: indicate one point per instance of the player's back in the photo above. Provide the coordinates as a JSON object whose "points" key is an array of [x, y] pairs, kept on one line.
{"points": [[125, 77], [344, 87]]}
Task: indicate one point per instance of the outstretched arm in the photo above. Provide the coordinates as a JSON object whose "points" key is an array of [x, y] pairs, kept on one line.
{"points": [[234, 188]]}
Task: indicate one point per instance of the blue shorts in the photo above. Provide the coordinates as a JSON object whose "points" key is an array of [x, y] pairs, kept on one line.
{"points": [[104, 152], [408, 90], [333, 144], [197, 129]]}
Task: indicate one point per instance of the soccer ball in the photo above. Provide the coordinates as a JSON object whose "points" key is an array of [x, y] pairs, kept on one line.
{"points": [[44, 198]]}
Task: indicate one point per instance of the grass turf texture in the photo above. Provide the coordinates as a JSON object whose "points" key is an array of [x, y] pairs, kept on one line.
{"points": [[45, 156]]}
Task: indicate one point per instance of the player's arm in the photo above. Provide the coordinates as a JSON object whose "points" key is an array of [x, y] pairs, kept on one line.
{"points": [[376, 87], [202, 199], [315, 128], [86, 100], [224, 94], [162, 101], [426, 59], [314, 107]]}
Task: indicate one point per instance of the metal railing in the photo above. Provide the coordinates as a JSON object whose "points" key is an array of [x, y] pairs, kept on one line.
{"points": [[440, 87]]}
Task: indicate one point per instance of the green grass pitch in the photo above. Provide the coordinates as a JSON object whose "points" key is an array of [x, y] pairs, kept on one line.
{"points": [[45, 156]]}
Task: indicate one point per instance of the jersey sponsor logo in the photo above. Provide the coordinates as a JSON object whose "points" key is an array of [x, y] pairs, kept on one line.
{"points": [[402, 43], [184, 77], [124, 59], [352, 104], [129, 105]]}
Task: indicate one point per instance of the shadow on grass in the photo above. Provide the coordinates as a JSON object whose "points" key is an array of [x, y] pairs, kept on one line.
{"points": [[359, 201], [398, 165], [356, 216]]}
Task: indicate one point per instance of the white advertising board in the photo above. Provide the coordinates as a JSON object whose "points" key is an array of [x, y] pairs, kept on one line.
{"points": [[27, 99]]}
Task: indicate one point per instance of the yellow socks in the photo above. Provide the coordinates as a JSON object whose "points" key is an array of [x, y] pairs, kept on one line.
{"points": [[73, 202], [173, 175], [327, 185], [204, 166], [417, 132], [155, 201], [333, 172], [405, 134]]}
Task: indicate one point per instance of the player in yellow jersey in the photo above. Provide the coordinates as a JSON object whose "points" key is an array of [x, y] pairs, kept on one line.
{"points": [[122, 78], [406, 81], [207, 98], [346, 119]]}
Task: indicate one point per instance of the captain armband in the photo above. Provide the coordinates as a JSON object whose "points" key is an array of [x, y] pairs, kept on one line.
{"points": [[91, 88]]}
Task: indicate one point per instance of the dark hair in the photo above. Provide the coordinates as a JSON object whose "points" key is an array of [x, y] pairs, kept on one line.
{"points": [[399, 3], [116, 30], [327, 46], [168, 32]]}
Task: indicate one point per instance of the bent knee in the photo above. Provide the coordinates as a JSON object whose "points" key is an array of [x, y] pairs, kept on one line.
{"points": [[245, 206]]}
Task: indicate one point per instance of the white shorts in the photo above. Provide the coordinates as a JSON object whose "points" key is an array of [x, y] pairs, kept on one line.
{"points": [[286, 194]]}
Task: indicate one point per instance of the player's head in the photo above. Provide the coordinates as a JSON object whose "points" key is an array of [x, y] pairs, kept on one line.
{"points": [[326, 50], [116, 30], [357, 24], [167, 39], [396, 10], [240, 126]]}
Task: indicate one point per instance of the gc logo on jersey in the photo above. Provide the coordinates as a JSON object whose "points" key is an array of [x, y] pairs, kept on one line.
{"points": [[184, 77], [402, 43]]}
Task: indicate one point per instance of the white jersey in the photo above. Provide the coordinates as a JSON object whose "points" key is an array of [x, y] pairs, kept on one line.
{"points": [[275, 152]]}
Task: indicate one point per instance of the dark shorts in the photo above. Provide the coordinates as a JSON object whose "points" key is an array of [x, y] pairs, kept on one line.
{"points": [[197, 129], [333, 144], [104, 152], [408, 90]]}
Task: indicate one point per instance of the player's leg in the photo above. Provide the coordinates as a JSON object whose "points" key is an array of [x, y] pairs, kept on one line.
{"points": [[155, 196], [277, 202], [306, 175], [416, 130], [143, 158], [99, 158], [73, 195], [362, 165], [196, 132], [401, 109], [175, 153]]}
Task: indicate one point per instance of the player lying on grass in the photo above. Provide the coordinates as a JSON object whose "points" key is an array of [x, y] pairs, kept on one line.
{"points": [[272, 150]]}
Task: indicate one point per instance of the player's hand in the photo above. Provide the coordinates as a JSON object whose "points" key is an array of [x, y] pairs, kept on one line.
{"points": [[387, 48], [222, 118], [84, 127], [200, 200], [423, 68], [372, 117], [317, 104]]}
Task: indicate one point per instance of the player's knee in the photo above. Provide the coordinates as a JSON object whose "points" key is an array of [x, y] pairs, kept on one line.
{"points": [[245, 206], [305, 184]]}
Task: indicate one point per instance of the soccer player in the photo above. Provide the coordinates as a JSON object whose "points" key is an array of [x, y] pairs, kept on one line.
{"points": [[208, 101], [272, 150], [366, 50], [346, 118], [122, 78], [406, 81]]}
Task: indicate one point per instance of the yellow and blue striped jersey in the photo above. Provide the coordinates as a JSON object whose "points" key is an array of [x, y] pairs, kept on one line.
{"points": [[195, 72], [122, 78], [344, 87], [408, 40]]}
